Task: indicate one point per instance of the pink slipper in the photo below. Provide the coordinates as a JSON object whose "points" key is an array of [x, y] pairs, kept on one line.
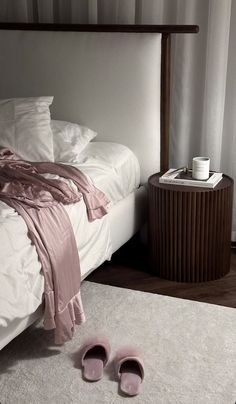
{"points": [[130, 370], [95, 353]]}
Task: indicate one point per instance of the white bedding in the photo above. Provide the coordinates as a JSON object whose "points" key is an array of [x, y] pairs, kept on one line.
{"points": [[115, 170]]}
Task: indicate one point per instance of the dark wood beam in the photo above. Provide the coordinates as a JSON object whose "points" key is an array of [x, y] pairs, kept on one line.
{"points": [[174, 29]]}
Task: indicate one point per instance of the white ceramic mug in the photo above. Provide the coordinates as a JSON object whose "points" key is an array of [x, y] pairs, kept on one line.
{"points": [[201, 168]]}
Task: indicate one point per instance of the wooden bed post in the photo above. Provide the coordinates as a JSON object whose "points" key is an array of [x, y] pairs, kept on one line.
{"points": [[165, 100]]}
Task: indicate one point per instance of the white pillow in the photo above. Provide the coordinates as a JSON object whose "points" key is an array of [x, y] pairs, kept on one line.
{"points": [[69, 139], [25, 127]]}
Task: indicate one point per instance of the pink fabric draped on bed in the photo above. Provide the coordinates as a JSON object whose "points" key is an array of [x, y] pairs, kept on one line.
{"points": [[40, 203]]}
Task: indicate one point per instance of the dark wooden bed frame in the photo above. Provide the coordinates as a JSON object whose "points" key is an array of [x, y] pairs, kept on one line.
{"points": [[165, 30]]}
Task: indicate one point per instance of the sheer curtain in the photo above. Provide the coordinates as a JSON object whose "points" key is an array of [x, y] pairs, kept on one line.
{"points": [[203, 104]]}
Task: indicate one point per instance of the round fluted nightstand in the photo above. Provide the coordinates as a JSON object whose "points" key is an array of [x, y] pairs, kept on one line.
{"points": [[190, 230]]}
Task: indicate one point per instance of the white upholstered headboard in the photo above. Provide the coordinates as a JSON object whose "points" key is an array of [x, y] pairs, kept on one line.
{"points": [[111, 82]]}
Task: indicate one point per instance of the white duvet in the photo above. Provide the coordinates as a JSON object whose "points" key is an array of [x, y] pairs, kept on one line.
{"points": [[115, 170]]}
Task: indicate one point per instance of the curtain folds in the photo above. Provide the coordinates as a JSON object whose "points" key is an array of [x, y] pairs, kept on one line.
{"points": [[203, 94]]}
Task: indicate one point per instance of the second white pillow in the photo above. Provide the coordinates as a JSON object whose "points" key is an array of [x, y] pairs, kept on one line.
{"points": [[69, 139]]}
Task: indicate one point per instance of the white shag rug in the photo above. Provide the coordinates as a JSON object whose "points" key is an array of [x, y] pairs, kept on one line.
{"points": [[189, 350]]}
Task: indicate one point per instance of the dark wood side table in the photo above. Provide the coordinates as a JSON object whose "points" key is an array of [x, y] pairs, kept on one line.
{"points": [[190, 230]]}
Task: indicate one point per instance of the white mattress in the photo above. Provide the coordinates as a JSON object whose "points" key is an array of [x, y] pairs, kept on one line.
{"points": [[115, 170]]}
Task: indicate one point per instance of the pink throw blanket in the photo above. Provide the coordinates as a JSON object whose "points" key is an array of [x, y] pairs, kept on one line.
{"points": [[40, 202]]}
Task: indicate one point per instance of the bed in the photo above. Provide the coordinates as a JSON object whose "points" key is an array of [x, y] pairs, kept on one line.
{"points": [[116, 80]]}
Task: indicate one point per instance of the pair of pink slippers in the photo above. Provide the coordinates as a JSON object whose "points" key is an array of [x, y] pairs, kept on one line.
{"points": [[129, 367]]}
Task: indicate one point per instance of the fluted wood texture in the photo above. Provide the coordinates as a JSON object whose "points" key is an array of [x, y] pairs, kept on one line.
{"points": [[190, 230]]}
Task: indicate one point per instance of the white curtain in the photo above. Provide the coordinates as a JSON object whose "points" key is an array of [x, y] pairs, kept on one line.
{"points": [[203, 105]]}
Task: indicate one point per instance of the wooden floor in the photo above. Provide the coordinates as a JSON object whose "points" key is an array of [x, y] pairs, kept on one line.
{"points": [[129, 269]]}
